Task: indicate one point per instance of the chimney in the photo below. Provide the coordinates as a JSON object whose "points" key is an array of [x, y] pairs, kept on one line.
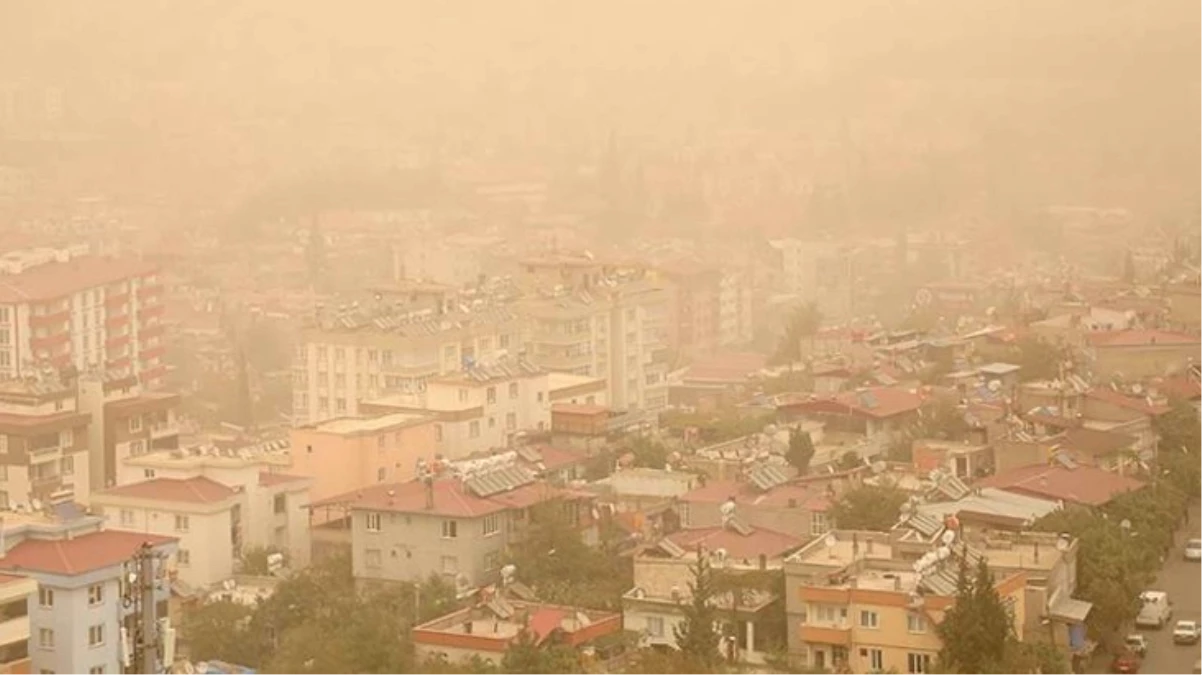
{"points": [[429, 492]]}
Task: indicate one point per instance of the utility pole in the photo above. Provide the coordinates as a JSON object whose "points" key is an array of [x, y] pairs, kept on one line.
{"points": [[138, 595]]}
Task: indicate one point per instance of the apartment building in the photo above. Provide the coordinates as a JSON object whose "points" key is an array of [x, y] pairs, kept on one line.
{"points": [[127, 420], [354, 354], [230, 460], [75, 620], [663, 573], [353, 453], [694, 324], [214, 522], [453, 527], [16, 594], [484, 407], [853, 604], [44, 443], [736, 321], [64, 307]]}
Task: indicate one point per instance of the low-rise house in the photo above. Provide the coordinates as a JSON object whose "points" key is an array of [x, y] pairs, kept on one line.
{"points": [[75, 622], [869, 411], [1106, 449], [591, 427], [17, 592], [765, 500], [487, 629], [663, 572], [1068, 482], [963, 460], [453, 527], [853, 603]]}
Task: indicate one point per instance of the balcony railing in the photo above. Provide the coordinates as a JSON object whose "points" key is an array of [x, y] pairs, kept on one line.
{"points": [[163, 429]]}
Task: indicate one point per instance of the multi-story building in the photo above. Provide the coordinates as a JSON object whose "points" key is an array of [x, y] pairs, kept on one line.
{"points": [[75, 620], [346, 357], [694, 290], [481, 408], [126, 421], [43, 443], [230, 460], [16, 593], [452, 527], [63, 307], [214, 522], [347, 454], [735, 303]]}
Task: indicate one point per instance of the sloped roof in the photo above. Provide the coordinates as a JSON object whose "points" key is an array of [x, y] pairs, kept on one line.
{"points": [[197, 490], [1086, 485], [738, 546], [81, 554], [1140, 338]]}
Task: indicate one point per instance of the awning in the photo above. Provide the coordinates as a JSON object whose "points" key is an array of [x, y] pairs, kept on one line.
{"points": [[1070, 610]]}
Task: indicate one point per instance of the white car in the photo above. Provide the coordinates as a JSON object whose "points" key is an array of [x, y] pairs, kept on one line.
{"points": [[1193, 550], [1186, 633]]}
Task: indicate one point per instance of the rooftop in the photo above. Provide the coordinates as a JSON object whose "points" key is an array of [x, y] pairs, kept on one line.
{"points": [[79, 555], [876, 402], [502, 619], [58, 279], [839, 548], [787, 495], [197, 490], [1087, 485], [1142, 338], [992, 501], [739, 547], [351, 426]]}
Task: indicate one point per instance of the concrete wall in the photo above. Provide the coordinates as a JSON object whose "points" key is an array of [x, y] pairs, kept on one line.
{"points": [[412, 547]]}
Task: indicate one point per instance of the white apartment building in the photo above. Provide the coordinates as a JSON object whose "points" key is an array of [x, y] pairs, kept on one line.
{"points": [[358, 354], [735, 322], [63, 307], [43, 443]]}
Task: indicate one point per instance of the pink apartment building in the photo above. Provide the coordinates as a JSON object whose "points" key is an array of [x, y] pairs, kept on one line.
{"points": [[352, 453]]}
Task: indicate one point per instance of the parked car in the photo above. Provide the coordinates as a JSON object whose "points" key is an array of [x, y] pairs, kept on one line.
{"points": [[1193, 550], [1138, 644], [1187, 633], [1126, 661], [1155, 610]]}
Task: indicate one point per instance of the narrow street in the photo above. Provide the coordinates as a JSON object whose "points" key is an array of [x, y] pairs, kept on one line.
{"points": [[1180, 579]]}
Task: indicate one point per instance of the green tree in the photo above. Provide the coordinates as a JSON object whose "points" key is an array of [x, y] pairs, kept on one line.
{"points": [[648, 452], [975, 631], [801, 451], [848, 461], [1037, 359], [803, 323], [526, 655], [697, 634], [869, 507], [219, 630]]}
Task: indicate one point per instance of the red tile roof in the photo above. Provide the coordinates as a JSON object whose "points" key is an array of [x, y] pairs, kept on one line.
{"points": [[55, 280], [555, 458], [85, 553], [1141, 338], [272, 479], [197, 490], [546, 620], [450, 499], [6, 579], [728, 367], [1086, 485], [1122, 400], [739, 547]]}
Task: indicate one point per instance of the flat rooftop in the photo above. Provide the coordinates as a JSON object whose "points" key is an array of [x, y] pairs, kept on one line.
{"points": [[841, 548], [349, 426], [564, 380]]}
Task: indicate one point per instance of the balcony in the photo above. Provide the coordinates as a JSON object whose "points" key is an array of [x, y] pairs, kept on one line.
{"points": [[410, 369], [116, 300], [826, 635], [164, 429], [563, 361], [112, 321], [49, 342], [152, 330], [55, 318], [115, 341], [147, 292], [148, 311], [44, 452]]}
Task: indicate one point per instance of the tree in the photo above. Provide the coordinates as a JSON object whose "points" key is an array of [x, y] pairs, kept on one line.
{"points": [[1037, 359], [975, 631], [697, 634], [526, 655], [869, 507], [803, 323], [218, 630], [801, 451], [648, 452], [848, 461]]}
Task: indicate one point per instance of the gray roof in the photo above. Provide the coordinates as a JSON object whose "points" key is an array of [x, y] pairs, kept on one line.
{"points": [[489, 483], [992, 501]]}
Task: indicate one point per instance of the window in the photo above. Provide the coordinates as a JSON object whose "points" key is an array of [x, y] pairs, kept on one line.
{"points": [[340, 381], [876, 659], [45, 597], [183, 557], [95, 670], [492, 422], [511, 421], [655, 626], [135, 423], [67, 466], [340, 405], [181, 523], [450, 529], [381, 473], [149, 473], [373, 522], [473, 429], [339, 354], [382, 441], [491, 525], [829, 614], [66, 438], [127, 517], [280, 504], [819, 524], [539, 397], [371, 557], [869, 619], [503, 342], [491, 395], [916, 623], [492, 560], [96, 635], [136, 448], [450, 564], [918, 663], [513, 390], [45, 638], [95, 594]]}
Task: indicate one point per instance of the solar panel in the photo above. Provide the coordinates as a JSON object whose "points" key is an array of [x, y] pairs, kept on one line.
{"points": [[765, 476], [1065, 461], [489, 483], [739, 526], [924, 524]]}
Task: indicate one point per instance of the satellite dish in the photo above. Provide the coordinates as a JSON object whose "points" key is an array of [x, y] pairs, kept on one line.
{"points": [[1062, 543], [948, 537], [830, 540]]}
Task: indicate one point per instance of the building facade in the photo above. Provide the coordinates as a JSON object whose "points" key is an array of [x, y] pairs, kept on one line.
{"points": [[44, 443]]}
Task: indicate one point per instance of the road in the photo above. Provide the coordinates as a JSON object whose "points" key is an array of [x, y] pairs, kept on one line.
{"points": [[1183, 583]]}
